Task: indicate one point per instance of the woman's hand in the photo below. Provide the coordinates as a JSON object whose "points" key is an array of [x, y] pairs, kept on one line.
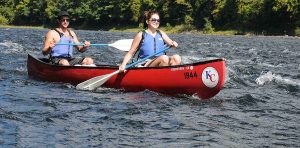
{"points": [[87, 44], [174, 44], [122, 68]]}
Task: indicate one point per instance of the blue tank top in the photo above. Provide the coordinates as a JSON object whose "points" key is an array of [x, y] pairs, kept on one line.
{"points": [[150, 45], [63, 50]]}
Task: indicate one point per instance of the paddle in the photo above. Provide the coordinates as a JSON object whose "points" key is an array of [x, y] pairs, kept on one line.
{"points": [[123, 44], [95, 82]]}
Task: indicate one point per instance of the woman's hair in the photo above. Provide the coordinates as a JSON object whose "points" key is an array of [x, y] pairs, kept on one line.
{"points": [[147, 16]]}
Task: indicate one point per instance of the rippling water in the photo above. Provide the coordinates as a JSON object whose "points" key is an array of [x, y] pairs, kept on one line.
{"points": [[258, 107]]}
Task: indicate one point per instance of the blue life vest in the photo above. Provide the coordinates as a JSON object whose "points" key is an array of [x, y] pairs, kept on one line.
{"points": [[150, 45], [65, 51]]}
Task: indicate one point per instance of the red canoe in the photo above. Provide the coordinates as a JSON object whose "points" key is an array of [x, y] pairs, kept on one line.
{"points": [[204, 79]]}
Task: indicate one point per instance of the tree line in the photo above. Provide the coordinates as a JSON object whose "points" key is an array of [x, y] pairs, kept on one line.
{"points": [[260, 16]]}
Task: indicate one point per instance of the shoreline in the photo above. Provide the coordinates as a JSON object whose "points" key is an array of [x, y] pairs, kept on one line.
{"points": [[173, 30]]}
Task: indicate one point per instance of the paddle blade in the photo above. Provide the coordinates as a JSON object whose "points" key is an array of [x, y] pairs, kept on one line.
{"points": [[123, 45], [93, 83]]}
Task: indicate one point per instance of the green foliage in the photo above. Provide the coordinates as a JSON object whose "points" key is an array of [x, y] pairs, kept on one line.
{"points": [[291, 6], [168, 26], [135, 8], [268, 16], [180, 9], [7, 15], [188, 20], [3, 20], [248, 13], [208, 27], [141, 25], [297, 32]]}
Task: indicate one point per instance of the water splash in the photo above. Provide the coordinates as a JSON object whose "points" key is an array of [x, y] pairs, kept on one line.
{"points": [[269, 77], [11, 47], [21, 69], [253, 51]]}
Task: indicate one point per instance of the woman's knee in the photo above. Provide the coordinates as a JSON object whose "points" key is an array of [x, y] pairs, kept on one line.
{"points": [[164, 60], [87, 61], [64, 62], [175, 60]]}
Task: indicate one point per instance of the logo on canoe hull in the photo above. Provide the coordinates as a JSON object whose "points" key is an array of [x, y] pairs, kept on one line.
{"points": [[210, 77]]}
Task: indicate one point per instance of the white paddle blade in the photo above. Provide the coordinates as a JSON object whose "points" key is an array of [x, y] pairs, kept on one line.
{"points": [[93, 83], [123, 45]]}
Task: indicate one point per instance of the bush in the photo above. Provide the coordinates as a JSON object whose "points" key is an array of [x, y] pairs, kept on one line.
{"points": [[168, 27], [297, 32], [208, 28], [188, 20], [3, 20], [141, 25]]}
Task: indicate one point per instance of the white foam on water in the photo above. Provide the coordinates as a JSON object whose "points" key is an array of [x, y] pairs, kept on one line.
{"points": [[21, 69], [286, 51], [270, 65], [202, 43], [229, 72], [269, 77], [12, 47], [253, 51]]}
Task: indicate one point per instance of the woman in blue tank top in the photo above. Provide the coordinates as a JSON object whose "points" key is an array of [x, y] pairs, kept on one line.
{"points": [[150, 41]]}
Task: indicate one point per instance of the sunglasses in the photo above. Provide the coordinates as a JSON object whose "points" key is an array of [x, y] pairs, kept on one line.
{"points": [[155, 20], [67, 20]]}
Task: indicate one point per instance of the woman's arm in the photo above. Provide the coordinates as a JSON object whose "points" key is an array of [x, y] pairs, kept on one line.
{"points": [[135, 43], [167, 40]]}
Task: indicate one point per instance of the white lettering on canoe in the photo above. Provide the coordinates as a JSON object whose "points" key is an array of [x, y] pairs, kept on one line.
{"points": [[177, 68], [182, 68]]}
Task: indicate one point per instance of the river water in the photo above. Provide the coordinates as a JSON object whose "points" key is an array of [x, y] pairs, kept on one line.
{"points": [[259, 105]]}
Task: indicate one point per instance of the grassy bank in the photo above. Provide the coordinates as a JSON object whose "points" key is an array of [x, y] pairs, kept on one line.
{"points": [[183, 29], [179, 29], [174, 30], [297, 32], [31, 27]]}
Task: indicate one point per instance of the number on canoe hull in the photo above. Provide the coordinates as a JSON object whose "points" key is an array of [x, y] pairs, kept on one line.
{"points": [[190, 75]]}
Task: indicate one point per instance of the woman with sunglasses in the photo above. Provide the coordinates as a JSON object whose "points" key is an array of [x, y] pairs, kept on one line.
{"points": [[63, 54], [150, 41]]}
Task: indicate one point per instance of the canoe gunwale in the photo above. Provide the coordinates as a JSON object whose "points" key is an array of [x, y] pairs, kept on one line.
{"points": [[41, 60]]}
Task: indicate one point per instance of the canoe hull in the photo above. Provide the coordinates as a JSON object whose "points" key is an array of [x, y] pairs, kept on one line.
{"points": [[204, 79]]}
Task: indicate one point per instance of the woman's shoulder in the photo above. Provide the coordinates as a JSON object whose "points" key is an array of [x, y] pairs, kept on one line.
{"points": [[140, 33], [161, 31]]}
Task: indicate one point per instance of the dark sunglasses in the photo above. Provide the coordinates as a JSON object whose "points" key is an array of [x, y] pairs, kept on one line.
{"points": [[155, 20], [67, 20]]}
